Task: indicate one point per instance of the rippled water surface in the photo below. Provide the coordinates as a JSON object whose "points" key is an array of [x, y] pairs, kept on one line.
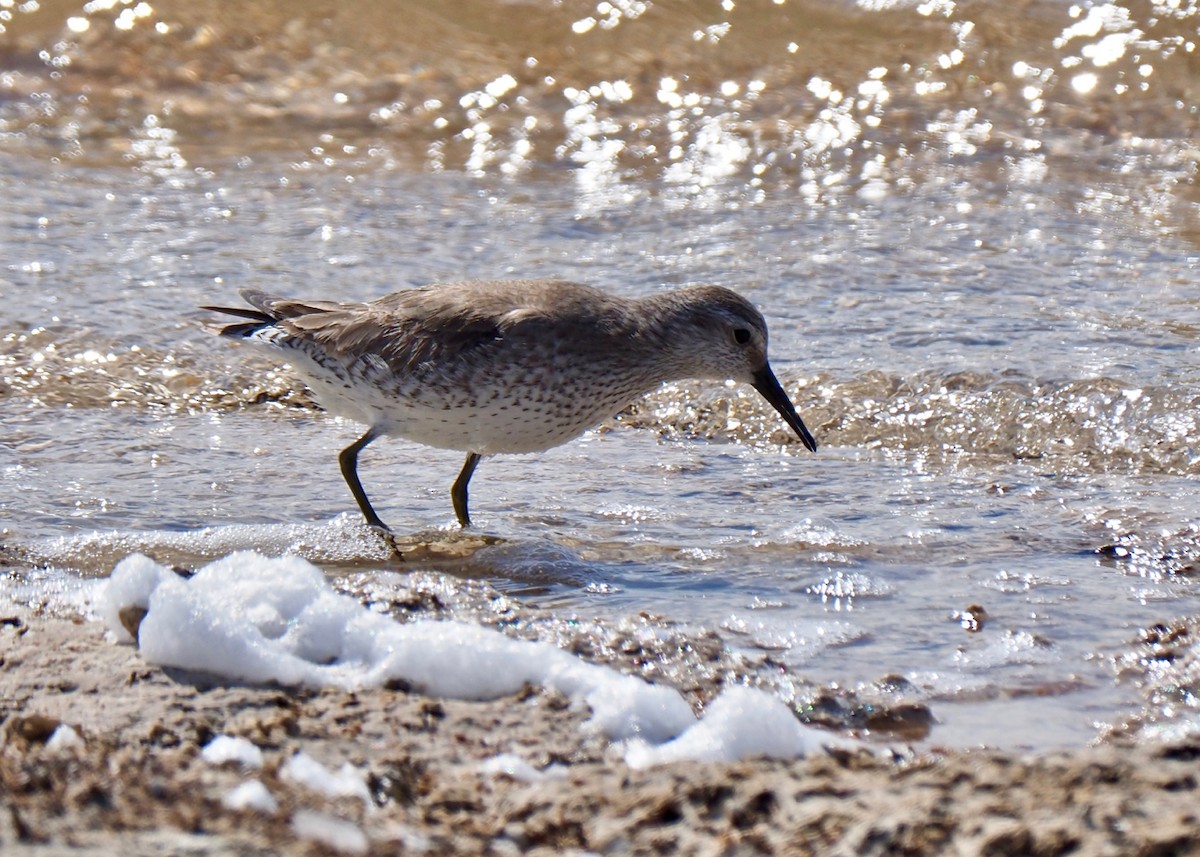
{"points": [[972, 230]]}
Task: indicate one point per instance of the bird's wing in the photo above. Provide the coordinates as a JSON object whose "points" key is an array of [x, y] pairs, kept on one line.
{"points": [[433, 328], [280, 308], [409, 329]]}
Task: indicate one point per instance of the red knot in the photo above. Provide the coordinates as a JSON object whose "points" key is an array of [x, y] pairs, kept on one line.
{"points": [[504, 366]]}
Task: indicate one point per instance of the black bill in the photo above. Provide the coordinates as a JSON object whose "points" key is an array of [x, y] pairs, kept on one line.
{"points": [[768, 385]]}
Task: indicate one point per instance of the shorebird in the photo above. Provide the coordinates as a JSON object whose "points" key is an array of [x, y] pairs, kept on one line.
{"points": [[504, 366]]}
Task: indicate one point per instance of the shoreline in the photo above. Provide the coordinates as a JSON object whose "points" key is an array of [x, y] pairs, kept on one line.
{"points": [[135, 779]]}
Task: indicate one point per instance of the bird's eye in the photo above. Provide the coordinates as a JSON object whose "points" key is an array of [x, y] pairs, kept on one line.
{"points": [[741, 336]]}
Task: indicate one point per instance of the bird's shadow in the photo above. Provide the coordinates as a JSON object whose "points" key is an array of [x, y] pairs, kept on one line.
{"points": [[521, 564]]}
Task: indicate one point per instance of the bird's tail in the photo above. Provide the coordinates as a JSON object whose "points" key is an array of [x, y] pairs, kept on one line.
{"points": [[260, 314]]}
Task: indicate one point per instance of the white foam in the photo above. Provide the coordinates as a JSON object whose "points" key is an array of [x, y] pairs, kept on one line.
{"points": [[513, 766], [139, 576], [347, 781], [251, 794], [260, 619], [63, 740], [343, 836], [227, 748], [742, 722]]}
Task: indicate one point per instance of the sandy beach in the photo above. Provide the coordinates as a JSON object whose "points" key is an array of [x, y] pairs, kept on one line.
{"points": [[130, 777]]}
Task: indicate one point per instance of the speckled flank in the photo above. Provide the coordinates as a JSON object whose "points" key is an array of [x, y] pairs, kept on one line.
{"points": [[518, 366]]}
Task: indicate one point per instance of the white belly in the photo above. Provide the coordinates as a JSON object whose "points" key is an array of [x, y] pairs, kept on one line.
{"points": [[498, 419]]}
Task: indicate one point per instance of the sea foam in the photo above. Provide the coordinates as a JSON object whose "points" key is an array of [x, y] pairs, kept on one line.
{"points": [[260, 619]]}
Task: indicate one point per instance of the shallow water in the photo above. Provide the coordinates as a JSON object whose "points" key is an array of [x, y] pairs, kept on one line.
{"points": [[979, 273]]}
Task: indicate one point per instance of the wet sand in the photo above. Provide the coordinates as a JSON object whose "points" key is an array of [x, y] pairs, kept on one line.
{"points": [[137, 783]]}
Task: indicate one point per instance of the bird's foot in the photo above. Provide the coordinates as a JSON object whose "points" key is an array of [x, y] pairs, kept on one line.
{"points": [[389, 539]]}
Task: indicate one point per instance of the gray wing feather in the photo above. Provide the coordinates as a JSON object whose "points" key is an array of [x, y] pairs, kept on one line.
{"points": [[408, 329], [437, 328]]}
